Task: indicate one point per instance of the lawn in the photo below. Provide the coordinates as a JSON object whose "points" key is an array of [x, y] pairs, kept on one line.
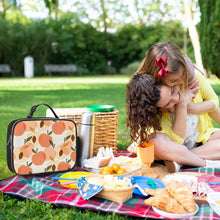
{"points": [[17, 96]]}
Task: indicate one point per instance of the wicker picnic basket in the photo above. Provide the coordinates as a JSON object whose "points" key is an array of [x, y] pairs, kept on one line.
{"points": [[117, 195], [106, 125]]}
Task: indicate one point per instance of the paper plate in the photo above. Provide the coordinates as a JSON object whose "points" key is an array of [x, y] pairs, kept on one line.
{"points": [[142, 182], [73, 175], [175, 216], [213, 199], [100, 108]]}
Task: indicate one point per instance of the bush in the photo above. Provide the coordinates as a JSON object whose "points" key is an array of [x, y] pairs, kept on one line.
{"points": [[210, 35], [70, 41], [130, 68]]}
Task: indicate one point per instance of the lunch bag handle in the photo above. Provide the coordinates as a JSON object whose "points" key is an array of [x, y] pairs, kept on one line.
{"points": [[33, 109]]}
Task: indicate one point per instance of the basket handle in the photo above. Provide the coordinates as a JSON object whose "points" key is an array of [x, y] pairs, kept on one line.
{"points": [[33, 109]]}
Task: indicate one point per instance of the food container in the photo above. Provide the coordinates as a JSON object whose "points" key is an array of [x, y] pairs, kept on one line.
{"points": [[116, 195], [132, 170]]}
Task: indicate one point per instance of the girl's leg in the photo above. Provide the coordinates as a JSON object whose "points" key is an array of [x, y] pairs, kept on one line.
{"points": [[210, 150], [215, 136], [215, 115], [166, 149]]}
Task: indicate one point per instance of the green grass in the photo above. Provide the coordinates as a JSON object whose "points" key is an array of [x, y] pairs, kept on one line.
{"points": [[17, 96]]}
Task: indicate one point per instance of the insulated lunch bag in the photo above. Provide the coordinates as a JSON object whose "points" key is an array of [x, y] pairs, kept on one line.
{"points": [[42, 145]]}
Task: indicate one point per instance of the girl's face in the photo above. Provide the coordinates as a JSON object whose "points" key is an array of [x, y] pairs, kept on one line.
{"points": [[169, 97], [174, 79]]}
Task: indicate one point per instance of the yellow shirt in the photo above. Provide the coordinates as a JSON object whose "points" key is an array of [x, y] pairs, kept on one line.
{"points": [[205, 126]]}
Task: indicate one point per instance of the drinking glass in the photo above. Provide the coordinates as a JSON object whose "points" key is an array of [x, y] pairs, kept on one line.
{"points": [[145, 153]]}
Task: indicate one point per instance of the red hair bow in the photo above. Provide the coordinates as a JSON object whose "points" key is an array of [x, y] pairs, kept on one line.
{"points": [[161, 61]]}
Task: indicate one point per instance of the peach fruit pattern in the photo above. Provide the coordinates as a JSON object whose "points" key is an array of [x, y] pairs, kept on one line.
{"points": [[44, 146]]}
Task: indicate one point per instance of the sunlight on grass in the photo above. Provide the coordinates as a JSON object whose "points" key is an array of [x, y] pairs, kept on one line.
{"points": [[18, 95], [56, 83]]}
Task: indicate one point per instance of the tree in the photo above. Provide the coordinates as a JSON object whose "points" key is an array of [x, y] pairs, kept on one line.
{"points": [[6, 5], [193, 33], [209, 29], [53, 6], [146, 10]]}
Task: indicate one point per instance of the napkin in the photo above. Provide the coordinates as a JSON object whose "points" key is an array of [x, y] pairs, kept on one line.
{"points": [[212, 179], [87, 190]]}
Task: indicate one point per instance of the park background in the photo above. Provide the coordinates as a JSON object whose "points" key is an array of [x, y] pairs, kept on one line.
{"points": [[106, 40]]}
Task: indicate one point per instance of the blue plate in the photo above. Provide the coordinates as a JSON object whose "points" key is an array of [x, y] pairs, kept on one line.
{"points": [[142, 182]]}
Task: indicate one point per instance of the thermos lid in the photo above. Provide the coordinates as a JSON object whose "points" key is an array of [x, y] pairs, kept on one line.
{"points": [[88, 118]]}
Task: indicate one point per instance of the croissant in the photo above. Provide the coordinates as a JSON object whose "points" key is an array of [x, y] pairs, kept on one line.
{"points": [[182, 194], [155, 192], [164, 202]]}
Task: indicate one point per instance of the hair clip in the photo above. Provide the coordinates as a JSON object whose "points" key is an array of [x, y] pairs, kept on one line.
{"points": [[161, 62]]}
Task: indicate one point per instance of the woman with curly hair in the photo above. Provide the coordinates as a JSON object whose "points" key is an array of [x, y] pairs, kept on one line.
{"points": [[170, 66], [158, 113]]}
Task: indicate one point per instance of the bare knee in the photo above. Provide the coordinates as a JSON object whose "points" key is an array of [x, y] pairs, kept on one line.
{"points": [[161, 141], [215, 136]]}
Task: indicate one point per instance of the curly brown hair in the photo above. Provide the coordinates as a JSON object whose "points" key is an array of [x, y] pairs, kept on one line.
{"points": [[143, 117]]}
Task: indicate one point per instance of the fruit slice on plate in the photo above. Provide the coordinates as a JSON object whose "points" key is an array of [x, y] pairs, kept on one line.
{"points": [[72, 176]]}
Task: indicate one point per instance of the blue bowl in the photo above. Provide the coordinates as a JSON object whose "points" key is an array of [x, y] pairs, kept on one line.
{"points": [[142, 182]]}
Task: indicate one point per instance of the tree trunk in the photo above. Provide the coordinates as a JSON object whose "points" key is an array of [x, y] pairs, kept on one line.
{"points": [[104, 16], [138, 12], [194, 36], [105, 29], [2, 8]]}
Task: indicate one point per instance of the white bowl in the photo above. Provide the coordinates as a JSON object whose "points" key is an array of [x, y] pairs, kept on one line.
{"points": [[132, 170], [175, 216], [212, 199]]}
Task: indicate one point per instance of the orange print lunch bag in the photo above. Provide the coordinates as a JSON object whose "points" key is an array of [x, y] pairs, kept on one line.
{"points": [[42, 145]]}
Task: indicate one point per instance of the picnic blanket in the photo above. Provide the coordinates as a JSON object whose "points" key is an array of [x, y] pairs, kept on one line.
{"points": [[48, 190]]}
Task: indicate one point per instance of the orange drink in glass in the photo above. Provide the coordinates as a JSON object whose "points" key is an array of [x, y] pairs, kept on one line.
{"points": [[145, 153]]}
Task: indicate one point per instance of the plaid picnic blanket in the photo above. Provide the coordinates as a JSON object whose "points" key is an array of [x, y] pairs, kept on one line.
{"points": [[48, 190]]}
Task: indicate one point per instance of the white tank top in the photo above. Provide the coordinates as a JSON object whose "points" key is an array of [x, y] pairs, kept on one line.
{"points": [[192, 131]]}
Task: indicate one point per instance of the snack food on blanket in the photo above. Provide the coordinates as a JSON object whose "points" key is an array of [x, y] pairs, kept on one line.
{"points": [[183, 194], [155, 192], [133, 148], [110, 182], [199, 188], [115, 169], [116, 189], [164, 201], [104, 161], [179, 192], [104, 156]]}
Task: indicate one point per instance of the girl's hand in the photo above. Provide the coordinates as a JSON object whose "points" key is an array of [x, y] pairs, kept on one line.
{"points": [[187, 98], [194, 86]]}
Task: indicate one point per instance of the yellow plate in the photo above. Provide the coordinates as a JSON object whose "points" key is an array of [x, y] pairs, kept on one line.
{"points": [[73, 175]]}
